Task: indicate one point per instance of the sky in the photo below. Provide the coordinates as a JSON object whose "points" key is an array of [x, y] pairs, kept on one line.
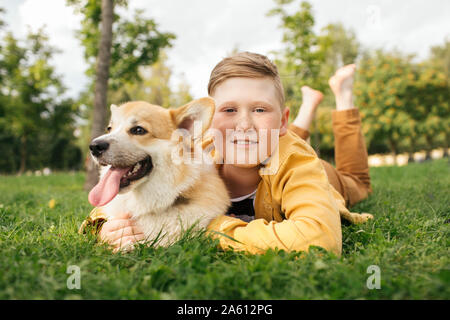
{"points": [[208, 30]]}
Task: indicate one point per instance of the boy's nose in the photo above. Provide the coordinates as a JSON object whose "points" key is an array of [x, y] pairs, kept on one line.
{"points": [[244, 123]]}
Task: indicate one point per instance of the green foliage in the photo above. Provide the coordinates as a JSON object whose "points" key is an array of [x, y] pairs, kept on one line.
{"points": [[36, 122], [154, 87], [300, 61], [323, 128], [408, 240], [404, 105], [381, 80], [300, 57], [136, 42], [309, 58], [440, 57], [401, 102], [427, 103], [340, 47]]}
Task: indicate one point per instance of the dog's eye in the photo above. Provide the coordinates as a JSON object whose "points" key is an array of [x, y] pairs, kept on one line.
{"points": [[108, 129], [138, 131]]}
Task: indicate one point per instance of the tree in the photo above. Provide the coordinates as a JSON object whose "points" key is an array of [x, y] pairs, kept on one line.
{"points": [[339, 47], [401, 101], [154, 86], [427, 103], [403, 104], [133, 44], [182, 95], [381, 81], [101, 83], [31, 98], [311, 59], [300, 61], [440, 58]]}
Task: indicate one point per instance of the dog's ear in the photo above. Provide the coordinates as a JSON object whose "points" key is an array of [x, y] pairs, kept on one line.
{"points": [[113, 108], [196, 113]]}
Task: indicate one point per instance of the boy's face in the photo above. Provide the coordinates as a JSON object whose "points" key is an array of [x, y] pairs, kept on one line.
{"points": [[248, 120]]}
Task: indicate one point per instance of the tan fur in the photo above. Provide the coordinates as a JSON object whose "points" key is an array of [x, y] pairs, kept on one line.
{"points": [[152, 117], [172, 197]]}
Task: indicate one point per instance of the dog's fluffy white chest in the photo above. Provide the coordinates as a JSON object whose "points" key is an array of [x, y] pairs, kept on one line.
{"points": [[163, 213]]}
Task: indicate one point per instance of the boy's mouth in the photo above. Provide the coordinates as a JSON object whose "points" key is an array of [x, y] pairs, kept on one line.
{"points": [[244, 139], [245, 142]]}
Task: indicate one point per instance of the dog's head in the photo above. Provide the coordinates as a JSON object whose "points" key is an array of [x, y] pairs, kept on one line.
{"points": [[139, 138]]}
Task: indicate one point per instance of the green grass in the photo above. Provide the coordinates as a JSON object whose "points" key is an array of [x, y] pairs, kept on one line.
{"points": [[408, 240]]}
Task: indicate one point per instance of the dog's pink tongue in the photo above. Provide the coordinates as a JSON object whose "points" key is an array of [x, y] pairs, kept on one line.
{"points": [[107, 188]]}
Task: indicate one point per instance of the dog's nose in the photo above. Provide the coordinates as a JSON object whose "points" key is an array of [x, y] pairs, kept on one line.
{"points": [[98, 147]]}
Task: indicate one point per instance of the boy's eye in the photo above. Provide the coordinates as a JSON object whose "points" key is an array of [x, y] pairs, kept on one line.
{"points": [[259, 110], [138, 131], [229, 110]]}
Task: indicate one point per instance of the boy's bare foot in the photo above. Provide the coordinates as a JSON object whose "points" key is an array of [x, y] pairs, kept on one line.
{"points": [[311, 99], [342, 86]]}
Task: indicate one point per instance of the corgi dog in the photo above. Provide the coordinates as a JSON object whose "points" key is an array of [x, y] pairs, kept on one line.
{"points": [[141, 171]]}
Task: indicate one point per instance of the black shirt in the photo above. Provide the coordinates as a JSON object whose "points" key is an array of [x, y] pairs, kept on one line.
{"points": [[243, 209]]}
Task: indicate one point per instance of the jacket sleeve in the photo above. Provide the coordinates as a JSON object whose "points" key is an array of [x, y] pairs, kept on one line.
{"points": [[93, 222], [311, 212]]}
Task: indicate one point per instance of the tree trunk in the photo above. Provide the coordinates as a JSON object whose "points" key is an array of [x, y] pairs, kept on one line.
{"points": [[393, 147], [429, 147], [446, 149], [23, 154], [412, 149], [101, 86]]}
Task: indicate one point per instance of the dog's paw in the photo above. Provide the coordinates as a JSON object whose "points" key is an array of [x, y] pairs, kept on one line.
{"points": [[363, 217], [358, 218]]}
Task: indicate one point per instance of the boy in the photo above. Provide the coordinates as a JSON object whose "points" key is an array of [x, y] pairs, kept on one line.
{"points": [[299, 203]]}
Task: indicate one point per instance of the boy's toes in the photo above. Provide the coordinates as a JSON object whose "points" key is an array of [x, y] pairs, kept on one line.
{"points": [[345, 72], [332, 82], [342, 80], [314, 95], [347, 68]]}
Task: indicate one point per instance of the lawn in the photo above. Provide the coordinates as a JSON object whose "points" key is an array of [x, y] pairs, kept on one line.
{"points": [[408, 241]]}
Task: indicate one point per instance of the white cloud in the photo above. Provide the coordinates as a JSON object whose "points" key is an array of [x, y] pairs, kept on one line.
{"points": [[208, 30]]}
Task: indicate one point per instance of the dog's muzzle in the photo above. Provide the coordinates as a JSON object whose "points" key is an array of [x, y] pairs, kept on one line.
{"points": [[98, 147]]}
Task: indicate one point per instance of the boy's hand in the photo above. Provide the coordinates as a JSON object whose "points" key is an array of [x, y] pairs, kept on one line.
{"points": [[120, 232]]}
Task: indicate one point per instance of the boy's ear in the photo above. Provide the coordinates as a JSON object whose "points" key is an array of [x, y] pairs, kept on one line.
{"points": [[200, 111], [284, 121]]}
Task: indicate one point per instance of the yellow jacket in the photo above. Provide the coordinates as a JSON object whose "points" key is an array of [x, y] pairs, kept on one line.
{"points": [[295, 206]]}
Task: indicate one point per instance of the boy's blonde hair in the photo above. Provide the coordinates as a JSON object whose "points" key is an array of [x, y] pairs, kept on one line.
{"points": [[246, 65]]}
